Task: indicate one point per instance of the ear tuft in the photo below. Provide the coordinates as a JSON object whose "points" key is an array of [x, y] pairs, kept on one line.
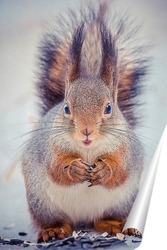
{"points": [[75, 53], [108, 71]]}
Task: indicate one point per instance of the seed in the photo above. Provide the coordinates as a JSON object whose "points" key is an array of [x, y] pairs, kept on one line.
{"points": [[22, 233], [16, 241]]}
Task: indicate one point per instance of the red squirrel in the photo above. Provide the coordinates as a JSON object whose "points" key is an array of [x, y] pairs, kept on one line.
{"points": [[84, 162]]}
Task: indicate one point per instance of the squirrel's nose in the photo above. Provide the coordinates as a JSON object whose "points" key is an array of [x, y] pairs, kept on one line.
{"points": [[86, 132]]}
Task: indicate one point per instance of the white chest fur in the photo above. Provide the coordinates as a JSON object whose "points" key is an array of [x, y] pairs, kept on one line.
{"points": [[83, 203]]}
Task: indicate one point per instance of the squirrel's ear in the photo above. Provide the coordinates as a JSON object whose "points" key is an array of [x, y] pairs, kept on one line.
{"points": [[75, 54], [108, 70]]}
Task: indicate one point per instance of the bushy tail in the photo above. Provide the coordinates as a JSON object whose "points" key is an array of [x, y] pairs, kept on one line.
{"points": [[92, 43]]}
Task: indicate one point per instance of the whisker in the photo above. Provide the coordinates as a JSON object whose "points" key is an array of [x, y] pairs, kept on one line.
{"points": [[120, 140], [127, 125], [123, 133], [45, 130], [129, 132], [129, 137], [25, 143], [56, 135]]}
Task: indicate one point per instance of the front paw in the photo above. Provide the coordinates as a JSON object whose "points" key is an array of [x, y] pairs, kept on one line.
{"points": [[101, 173], [78, 171]]}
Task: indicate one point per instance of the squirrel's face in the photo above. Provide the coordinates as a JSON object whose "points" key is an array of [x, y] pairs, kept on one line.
{"points": [[88, 107]]}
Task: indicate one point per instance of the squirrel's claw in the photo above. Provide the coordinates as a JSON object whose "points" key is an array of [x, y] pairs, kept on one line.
{"points": [[77, 171], [101, 172]]}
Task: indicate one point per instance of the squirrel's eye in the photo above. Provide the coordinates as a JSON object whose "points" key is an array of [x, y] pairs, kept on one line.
{"points": [[67, 109], [108, 109]]}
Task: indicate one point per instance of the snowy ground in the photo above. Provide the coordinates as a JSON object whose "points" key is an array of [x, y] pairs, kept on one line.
{"points": [[21, 24]]}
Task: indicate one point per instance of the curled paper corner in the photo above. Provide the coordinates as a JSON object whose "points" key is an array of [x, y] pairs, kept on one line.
{"points": [[138, 214]]}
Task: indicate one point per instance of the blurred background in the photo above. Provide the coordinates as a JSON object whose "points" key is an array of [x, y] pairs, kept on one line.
{"points": [[21, 26]]}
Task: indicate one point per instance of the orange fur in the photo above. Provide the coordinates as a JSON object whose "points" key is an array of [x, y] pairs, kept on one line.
{"points": [[59, 232], [110, 170], [68, 169], [130, 231], [109, 226]]}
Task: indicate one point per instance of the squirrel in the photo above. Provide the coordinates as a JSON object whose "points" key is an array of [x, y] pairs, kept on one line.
{"points": [[84, 161]]}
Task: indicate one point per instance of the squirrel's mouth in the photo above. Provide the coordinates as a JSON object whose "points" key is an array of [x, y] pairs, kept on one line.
{"points": [[87, 142]]}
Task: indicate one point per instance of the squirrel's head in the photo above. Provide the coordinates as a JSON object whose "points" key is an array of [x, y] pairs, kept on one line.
{"points": [[88, 106]]}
